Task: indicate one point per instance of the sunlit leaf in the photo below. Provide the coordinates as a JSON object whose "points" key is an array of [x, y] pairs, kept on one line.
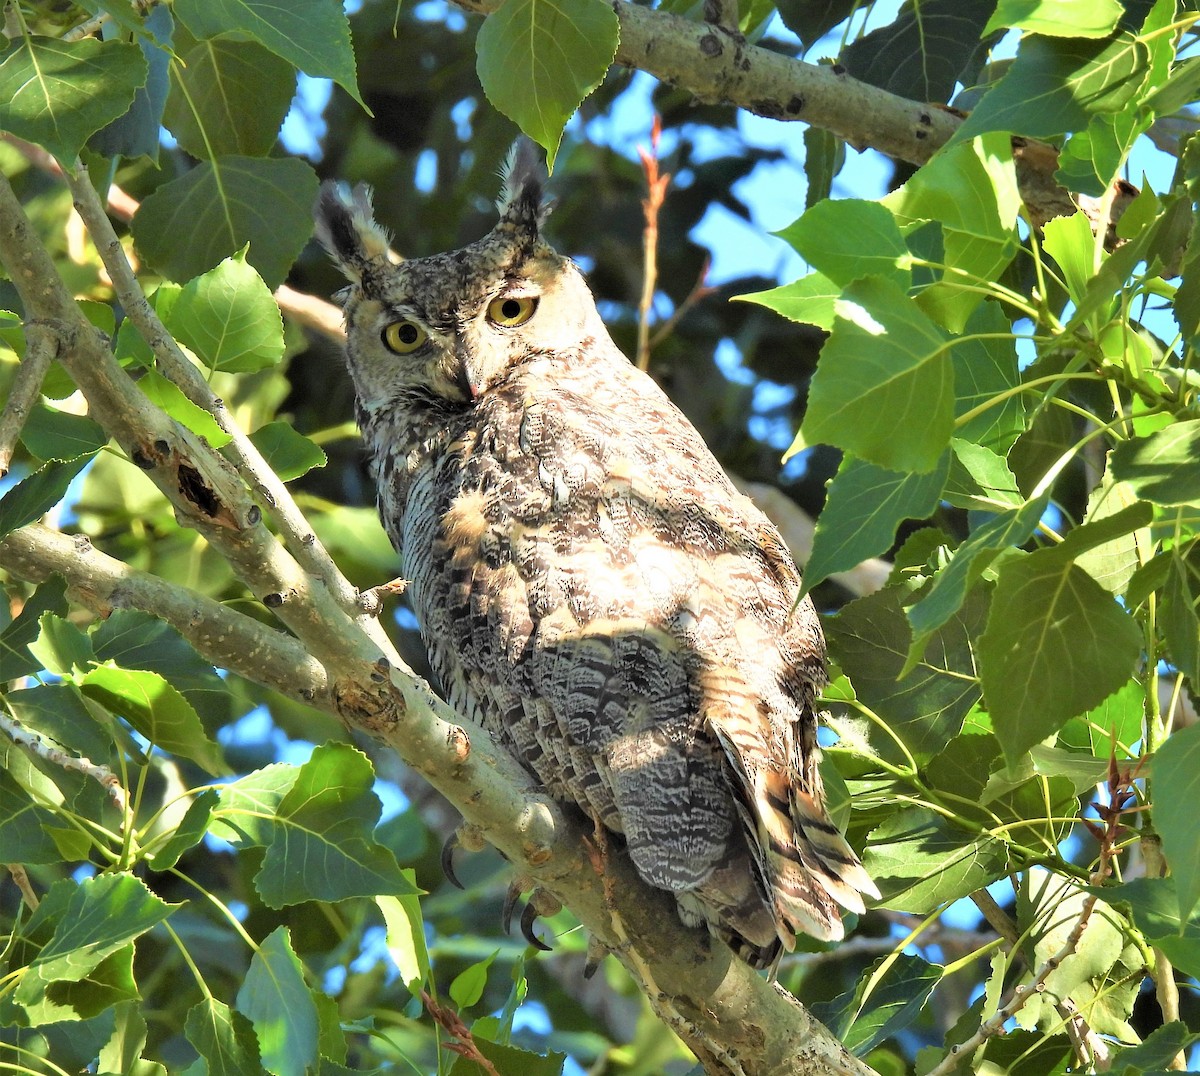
{"points": [[276, 999], [538, 60]]}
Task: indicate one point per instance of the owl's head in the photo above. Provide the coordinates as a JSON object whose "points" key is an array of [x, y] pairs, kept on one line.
{"points": [[441, 331]]}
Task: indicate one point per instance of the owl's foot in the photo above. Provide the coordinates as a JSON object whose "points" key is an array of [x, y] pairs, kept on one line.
{"points": [[371, 601], [541, 902], [596, 952]]}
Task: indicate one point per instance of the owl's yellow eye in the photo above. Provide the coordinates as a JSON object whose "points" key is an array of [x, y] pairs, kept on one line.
{"points": [[511, 311], [403, 337]]}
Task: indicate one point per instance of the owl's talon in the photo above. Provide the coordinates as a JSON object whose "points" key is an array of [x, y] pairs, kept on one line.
{"points": [[596, 952], [371, 601], [511, 898], [448, 861], [528, 918]]}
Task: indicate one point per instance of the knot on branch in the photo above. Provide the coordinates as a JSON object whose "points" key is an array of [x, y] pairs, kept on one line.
{"points": [[373, 707]]}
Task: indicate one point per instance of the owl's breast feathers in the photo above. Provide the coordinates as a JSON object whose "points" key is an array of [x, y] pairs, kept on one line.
{"points": [[594, 591]]}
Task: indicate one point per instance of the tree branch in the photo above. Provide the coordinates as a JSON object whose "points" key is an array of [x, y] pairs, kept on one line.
{"points": [[40, 347], [732, 1018], [721, 68]]}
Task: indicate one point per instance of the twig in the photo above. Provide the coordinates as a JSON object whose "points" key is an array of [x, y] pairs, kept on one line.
{"points": [[20, 879], [52, 753], [700, 290], [224, 636], [454, 1026], [41, 347], [656, 190]]}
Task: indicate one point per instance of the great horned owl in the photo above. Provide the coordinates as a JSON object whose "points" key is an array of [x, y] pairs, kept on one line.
{"points": [[590, 586]]}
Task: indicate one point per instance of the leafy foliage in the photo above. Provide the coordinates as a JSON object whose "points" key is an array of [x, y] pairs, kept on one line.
{"points": [[1006, 411]]}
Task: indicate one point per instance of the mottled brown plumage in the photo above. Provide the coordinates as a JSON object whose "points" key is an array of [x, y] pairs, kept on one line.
{"points": [[590, 586]]}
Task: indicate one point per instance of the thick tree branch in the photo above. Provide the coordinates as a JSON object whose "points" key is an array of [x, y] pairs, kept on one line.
{"points": [[716, 66], [733, 1019]]}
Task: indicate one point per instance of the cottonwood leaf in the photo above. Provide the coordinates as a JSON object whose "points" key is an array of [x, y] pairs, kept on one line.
{"points": [[1175, 770], [322, 844], [313, 35], [884, 386], [538, 59], [863, 507], [58, 93], [851, 238], [222, 205], [1056, 644], [157, 710], [278, 1002]]}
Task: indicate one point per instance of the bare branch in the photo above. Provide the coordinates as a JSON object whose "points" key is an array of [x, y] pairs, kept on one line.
{"points": [[41, 346], [176, 366]]}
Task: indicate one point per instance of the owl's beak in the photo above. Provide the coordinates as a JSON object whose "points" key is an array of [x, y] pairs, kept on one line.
{"points": [[465, 380]]}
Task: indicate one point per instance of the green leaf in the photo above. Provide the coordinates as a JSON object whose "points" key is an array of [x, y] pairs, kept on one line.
{"points": [[246, 816], [24, 834], [33, 497], [978, 550], [884, 386], [811, 21], [809, 300], [1112, 727], [895, 1000], [1093, 158], [170, 398], [511, 1061], [1057, 18], [58, 94], [288, 453], [1056, 645], [1052, 905], [228, 96], [1175, 771], [157, 710], [59, 711], [920, 860], [188, 833], [1155, 909], [1181, 625], [980, 479], [1057, 85], [222, 205], [313, 35], [61, 647], [927, 707], [924, 51], [15, 659], [59, 435], [280, 1006], [136, 640], [1163, 468], [229, 318], [824, 155], [135, 134], [406, 936], [1157, 1051], [849, 239], [538, 59], [223, 1037], [864, 506], [971, 191], [1069, 241], [101, 916], [323, 845], [467, 986], [1111, 563]]}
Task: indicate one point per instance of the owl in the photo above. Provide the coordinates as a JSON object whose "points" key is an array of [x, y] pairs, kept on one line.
{"points": [[590, 586]]}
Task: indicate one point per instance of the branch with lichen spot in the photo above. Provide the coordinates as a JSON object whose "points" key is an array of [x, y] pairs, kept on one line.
{"points": [[720, 1007]]}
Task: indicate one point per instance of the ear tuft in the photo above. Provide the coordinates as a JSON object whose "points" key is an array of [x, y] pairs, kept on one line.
{"points": [[346, 228], [523, 179]]}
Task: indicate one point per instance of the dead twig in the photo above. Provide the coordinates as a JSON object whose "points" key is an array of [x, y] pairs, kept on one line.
{"points": [[656, 191]]}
